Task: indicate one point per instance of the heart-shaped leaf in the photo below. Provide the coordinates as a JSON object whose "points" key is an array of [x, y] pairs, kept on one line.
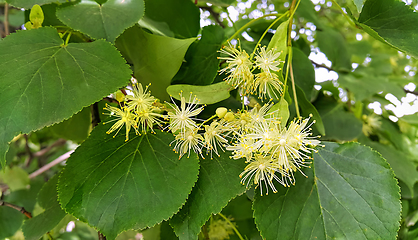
{"points": [[106, 21], [218, 183], [123, 185], [350, 193], [44, 81]]}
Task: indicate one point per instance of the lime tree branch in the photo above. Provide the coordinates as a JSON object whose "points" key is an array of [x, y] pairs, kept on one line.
{"points": [[45, 168], [18, 208]]}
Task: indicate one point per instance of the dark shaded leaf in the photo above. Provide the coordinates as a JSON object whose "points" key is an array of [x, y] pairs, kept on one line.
{"points": [[218, 183], [119, 181], [201, 60], [350, 193]]}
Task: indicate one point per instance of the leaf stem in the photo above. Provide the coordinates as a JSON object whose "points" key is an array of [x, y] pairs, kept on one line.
{"points": [[294, 90], [265, 32], [246, 26], [207, 120], [232, 225], [6, 19], [68, 38]]}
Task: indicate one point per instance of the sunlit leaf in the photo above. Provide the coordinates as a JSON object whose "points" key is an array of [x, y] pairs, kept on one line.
{"points": [[206, 94], [27, 4], [44, 81], [106, 21], [392, 22]]}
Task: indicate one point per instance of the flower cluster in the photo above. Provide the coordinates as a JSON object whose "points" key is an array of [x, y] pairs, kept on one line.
{"points": [[191, 136], [271, 150], [240, 68], [370, 124], [220, 229], [138, 109]]}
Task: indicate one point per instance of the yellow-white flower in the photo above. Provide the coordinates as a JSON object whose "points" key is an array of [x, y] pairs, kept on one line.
{"points": [[267, 60], [187, 141], [122, 117], [243, 148], [220, 229], [182, 118], [147, 118], [268, 85], [214, 137], [141, 99], [370, 123], [261, 169], [239, 65]]}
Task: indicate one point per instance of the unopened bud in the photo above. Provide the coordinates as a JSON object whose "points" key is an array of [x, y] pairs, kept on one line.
{"points": [[221, 111], [229, 116]]}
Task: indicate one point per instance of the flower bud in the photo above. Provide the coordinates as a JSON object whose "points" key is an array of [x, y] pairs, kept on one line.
{"points": [[221, 111], [229, 116]]}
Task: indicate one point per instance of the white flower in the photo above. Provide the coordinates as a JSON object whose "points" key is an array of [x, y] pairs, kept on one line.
{"points": [[268, 85], [214, 137], [239, 66], [141, 99], [262, 169], [147, 118], [267, 60], [243, 148], [187, 141], [182, 119]]}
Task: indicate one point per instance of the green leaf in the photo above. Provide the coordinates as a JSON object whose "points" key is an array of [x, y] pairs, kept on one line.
{"points": [[201, 60], [304, 73], [206, 94], [160, 14], [401, 163], [283, 111], [10, 221], [16, 178], [359, 4], [392, 22], [36, 227], [105, 21], [218, 183], [44, 82], [279, 39], [156, 59], [339, 124], [124, 185], [332, 43], [77, 128], [28, 4], [350, 193], [364, 87], [307, 109], [222, 3]]}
